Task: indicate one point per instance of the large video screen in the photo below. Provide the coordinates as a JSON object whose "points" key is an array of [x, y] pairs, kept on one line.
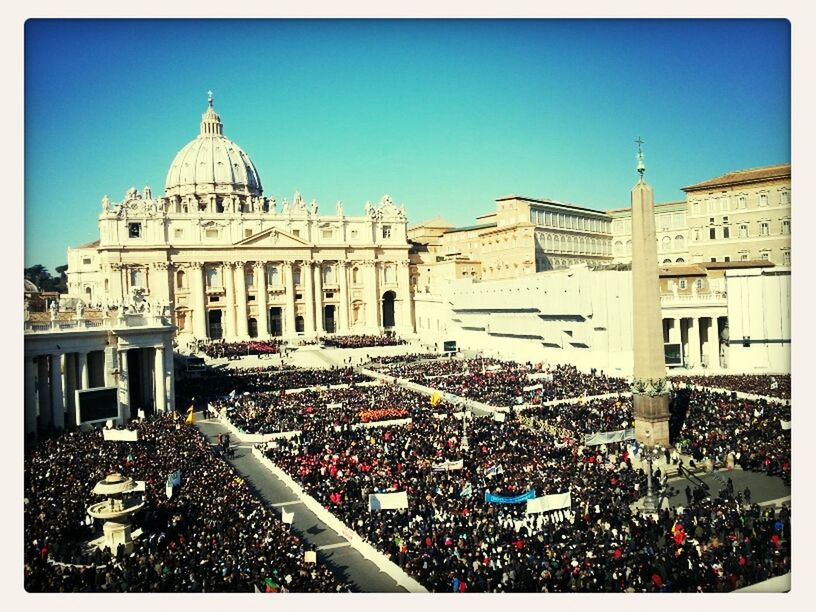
{"points": [[449, 346], [98, 404], [674, 353]]}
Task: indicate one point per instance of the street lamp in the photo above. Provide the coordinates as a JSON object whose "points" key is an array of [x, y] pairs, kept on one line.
{"points": [[650, 453], [464, 444]]}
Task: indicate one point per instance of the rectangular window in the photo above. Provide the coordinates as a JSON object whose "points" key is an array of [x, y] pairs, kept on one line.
{"points": [[247, 233], [354, 234], [136, 278], [726, 231], [743, 256], [724, 204], [699, 283], [712, 233], [134, 230], [727, 258], [743, 231], [86, 260], [296, 233], [211, 233], [682, 283], [784, 199], [326, 234], [763, 199], [178, 233], [764, 228], [742, 202], [711, 220], [786, 258], [786, 226], [386, 232], [696, 234], [765, 256], [695, 208], [713, 259]]}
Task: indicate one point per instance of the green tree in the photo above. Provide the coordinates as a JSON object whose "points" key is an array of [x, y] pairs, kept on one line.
{"points": [[41, 277]]}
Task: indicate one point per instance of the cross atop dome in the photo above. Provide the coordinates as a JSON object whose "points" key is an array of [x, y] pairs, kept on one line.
{"points": [[210, 121], [210, 98]]}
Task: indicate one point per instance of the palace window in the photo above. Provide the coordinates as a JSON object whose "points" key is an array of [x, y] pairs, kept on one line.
{"points": [[296, 275], [296, 233], [178, 233], [786, 258], [743, 230], [386, 232], [328, 275], [247, 233], [86, 261], [211, 233], [695, 208], [180, 279], [683, 283], [712, 233], [765, 255], [786, 226], [679, 243], [213, 278], [763, 199], [726, 231], [743, 256], [742, 202], [784, 198], [250, 278], [665, 244], [134, 230], [699, 283], [724, 204], [326, 234], [273, 276], [764, 228], [136, 278]]}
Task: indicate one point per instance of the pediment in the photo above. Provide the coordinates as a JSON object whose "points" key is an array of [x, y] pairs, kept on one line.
{"points": [[273, 237]]}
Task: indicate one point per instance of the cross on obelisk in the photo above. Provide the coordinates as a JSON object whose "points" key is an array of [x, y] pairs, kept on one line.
{"points": [[650, 393]]}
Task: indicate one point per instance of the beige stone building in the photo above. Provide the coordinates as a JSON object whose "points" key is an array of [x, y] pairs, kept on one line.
{"points": [[234, 264], [740, 216], [671, 231]]}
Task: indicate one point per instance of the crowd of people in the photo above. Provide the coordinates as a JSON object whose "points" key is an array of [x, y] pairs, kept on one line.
{"points": [[587, 416], [236, 350], [506, 383], [386, 360], [450, 538], [715, 426], [274, 411], [776, 385], [213, 534], [361, 341]]}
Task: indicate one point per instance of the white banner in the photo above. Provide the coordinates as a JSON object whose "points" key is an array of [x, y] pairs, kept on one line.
{"points": [[140, 486], [387, 501], [287, 517], [785, 424], [609, 436], [499, 416], [533, 387], [448, 465], [557, 501], [124, 435], [334, 405]]}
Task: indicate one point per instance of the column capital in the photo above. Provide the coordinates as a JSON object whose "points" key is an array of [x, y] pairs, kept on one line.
{"points": [[115, 266], [161, 265], [239, 264]]}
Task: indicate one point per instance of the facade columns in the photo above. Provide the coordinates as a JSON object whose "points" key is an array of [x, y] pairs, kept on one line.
{"points": [[160, 395], [43, 394], [318, 298], [57, 405], [342, 273], [199, 305], [289, 310], [406, 320], [229, 286], [84, 378], [241, 293], [29, 389], [694, 342], [674, 331], [308, 297], [70, 375], [372, 297], [124, 388], [705, 325], [116, 289], [260, 293], [169, 375]]}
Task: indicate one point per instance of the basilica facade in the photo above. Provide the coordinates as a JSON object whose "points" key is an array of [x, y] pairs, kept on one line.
{"points": [[229, 263]]}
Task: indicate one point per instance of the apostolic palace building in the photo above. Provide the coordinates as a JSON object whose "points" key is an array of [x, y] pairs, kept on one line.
{"points": [[231, 263]]}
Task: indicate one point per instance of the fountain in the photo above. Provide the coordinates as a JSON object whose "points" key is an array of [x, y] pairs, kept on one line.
{"points": [[115, 511]]}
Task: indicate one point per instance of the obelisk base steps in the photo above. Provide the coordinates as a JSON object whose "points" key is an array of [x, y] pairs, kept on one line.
{"points": [[652, 418]]}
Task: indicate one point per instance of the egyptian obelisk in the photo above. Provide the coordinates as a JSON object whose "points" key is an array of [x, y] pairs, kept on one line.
{"points": [[650, 393]]}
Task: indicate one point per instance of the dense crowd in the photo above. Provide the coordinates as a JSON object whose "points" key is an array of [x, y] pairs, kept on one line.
{"points": [[236, 350], [451, 539], [778, 385], [274, 411], [386, 360], [214, 384], [726, 429], [361, 341], [589, 416], [212, 534], [507, 383]]}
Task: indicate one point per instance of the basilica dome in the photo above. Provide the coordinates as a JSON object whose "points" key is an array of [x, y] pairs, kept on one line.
{"points": [[212, 164]]}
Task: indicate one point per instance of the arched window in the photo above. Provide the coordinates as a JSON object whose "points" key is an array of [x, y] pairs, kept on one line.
{"points": [[180, 279], [328, 275], [88, 294], [679, 243], [273, 276], [296, 275], [389, 274], [665, 244], [680, 260], [618, 247], [249, 278], [136, 278], [355, 275], [106, 284], [628, 247], [667, 261]]}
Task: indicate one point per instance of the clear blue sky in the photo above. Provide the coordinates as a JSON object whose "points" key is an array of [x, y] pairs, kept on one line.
{"points": [[445, 116]]}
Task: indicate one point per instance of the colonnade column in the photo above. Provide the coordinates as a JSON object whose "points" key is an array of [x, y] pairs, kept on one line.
{"points": [[372, 297], [404, 281], [84, 378], [308, 298], [160, 398], [342, 272], [199, 305], [30, 398], [124, 388], [289, 311], [71, 384], [704, 323], [694, 342], [169, 375], [241, 306], [229, 286], [57, 406], [263, 308], [43, 395], [674, 331], [318, 298]]}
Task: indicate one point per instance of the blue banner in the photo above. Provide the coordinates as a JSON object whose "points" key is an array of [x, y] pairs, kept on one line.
{"points": [[498, 499]]}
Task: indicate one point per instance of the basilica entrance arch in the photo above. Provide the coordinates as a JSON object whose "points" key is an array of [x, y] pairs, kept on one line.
{"points": [[214, 329], [388, 308]]}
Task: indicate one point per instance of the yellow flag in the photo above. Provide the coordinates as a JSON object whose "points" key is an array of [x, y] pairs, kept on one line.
{"points": [[190, 416], [435, 399]]}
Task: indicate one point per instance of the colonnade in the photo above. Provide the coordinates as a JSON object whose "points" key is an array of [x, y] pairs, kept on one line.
{"points": [[700, 339]]}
